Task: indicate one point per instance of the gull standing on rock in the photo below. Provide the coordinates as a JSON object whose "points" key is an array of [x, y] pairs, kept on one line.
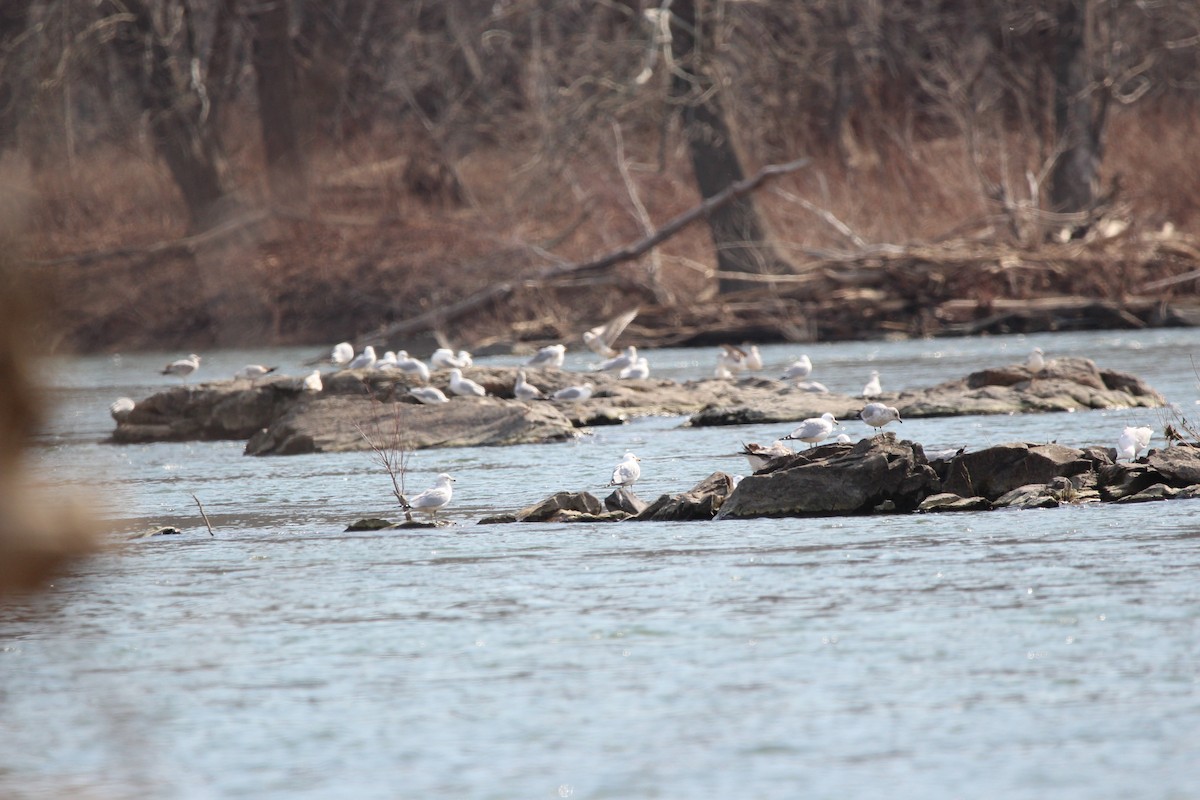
{"points": [[757, 455], [429, 395], [1132, 441], [753, 359], [551, 355], [183, 367], [387, 362], [341, 354], [121, 408], [412, 366], [814, 429], [872, 388], [600, 339], [800, 369], [444, 358], [523, 390], [627, 472], [733, 359], [638, 370], [312, 382], [433, 498], [877, 415], [618, 363], [364, 360], [464, 387], [1036, 361], [252, 372], [574, 393]]}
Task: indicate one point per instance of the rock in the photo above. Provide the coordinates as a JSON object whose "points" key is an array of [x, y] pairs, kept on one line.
{"points": [[325, 424], [369, 524], [997, 470], [948, 501], [208, 412], [1034, 495], [555, 505], [164, 530], [1179, 466], [838, 479], [625, 500], [701, 502], [498, 519], [1156, 491]]}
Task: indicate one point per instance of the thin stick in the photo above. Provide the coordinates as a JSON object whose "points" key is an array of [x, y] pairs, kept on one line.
{"points": [[206, 522]]}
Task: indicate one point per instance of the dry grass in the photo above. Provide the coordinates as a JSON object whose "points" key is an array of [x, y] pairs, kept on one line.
{"points": [[376, 251]]}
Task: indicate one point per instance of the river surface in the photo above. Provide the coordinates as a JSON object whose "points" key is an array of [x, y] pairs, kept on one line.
{"points": [[1015, 654]]}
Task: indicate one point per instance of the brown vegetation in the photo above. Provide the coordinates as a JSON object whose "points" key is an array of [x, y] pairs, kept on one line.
{"points": [[446, 148]]}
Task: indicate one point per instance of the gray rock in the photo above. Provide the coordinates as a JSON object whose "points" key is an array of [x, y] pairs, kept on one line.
{"points": [[1034, 495], [701, 502], [560, 505], [625, 500], [948, 501], [1157, 491], [849, 480], [369, 524], [1179, 466], [992, 472]]}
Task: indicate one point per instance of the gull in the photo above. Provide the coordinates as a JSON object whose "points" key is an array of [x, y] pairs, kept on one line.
{"points": [[364, 360], [843, 438], [732, 358], [601, 338], [312, 382], [638, 370], [1132, 441], [121, 408], [183, 367], [253, 372], [412, 366], [872, 389], [627, 472], [433, 498], [549, 356], [814, 429], [753, 359], [573, 393], [618, 363], [877, 415], [464, 387], [525, 391], [811, 386], [444, 358], [721, 373], [430, 395], [1036, 361], [465, 359], [799, 369], [387, 362], [342, 353], [757, 455]]}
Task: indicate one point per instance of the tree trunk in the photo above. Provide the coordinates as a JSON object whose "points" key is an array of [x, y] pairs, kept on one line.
{"points": [[737, 230], [275, 81], [1078, 119], [185, 144]]}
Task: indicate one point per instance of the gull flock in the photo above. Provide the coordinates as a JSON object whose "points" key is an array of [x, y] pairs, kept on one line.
{"points": [[731, 362]]}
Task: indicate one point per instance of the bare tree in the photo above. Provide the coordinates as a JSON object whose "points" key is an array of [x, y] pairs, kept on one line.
{"points": [[275, 81]]}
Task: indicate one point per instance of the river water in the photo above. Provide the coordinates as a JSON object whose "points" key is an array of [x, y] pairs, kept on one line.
{"points": [[1048, 653]]}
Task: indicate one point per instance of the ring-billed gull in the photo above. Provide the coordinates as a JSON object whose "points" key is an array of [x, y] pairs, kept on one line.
{"points": [[429, 395], [465, 359], [445, 358], [574, 393], [799, 369], [877, 415], [757, 455], [1132, 441], [312, 381], [121, 408], [627, 472], [872, 388], [814, 429], [183, 367], [412, 366], [638, 370], [753, 359], [523, 390], [342, 354], [600, 339], [551, 355], [732, 358], [464, 387], [435, 497], [388, 361], [627, 359], [811, 386], [364, 360], [1036, 361], [253, 372]]}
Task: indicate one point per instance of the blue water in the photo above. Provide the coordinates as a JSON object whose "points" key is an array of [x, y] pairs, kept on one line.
{"points": [[1049, 653]]}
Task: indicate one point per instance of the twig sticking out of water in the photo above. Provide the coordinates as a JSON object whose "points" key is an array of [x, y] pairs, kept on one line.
{"points": [[206, 522]]}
